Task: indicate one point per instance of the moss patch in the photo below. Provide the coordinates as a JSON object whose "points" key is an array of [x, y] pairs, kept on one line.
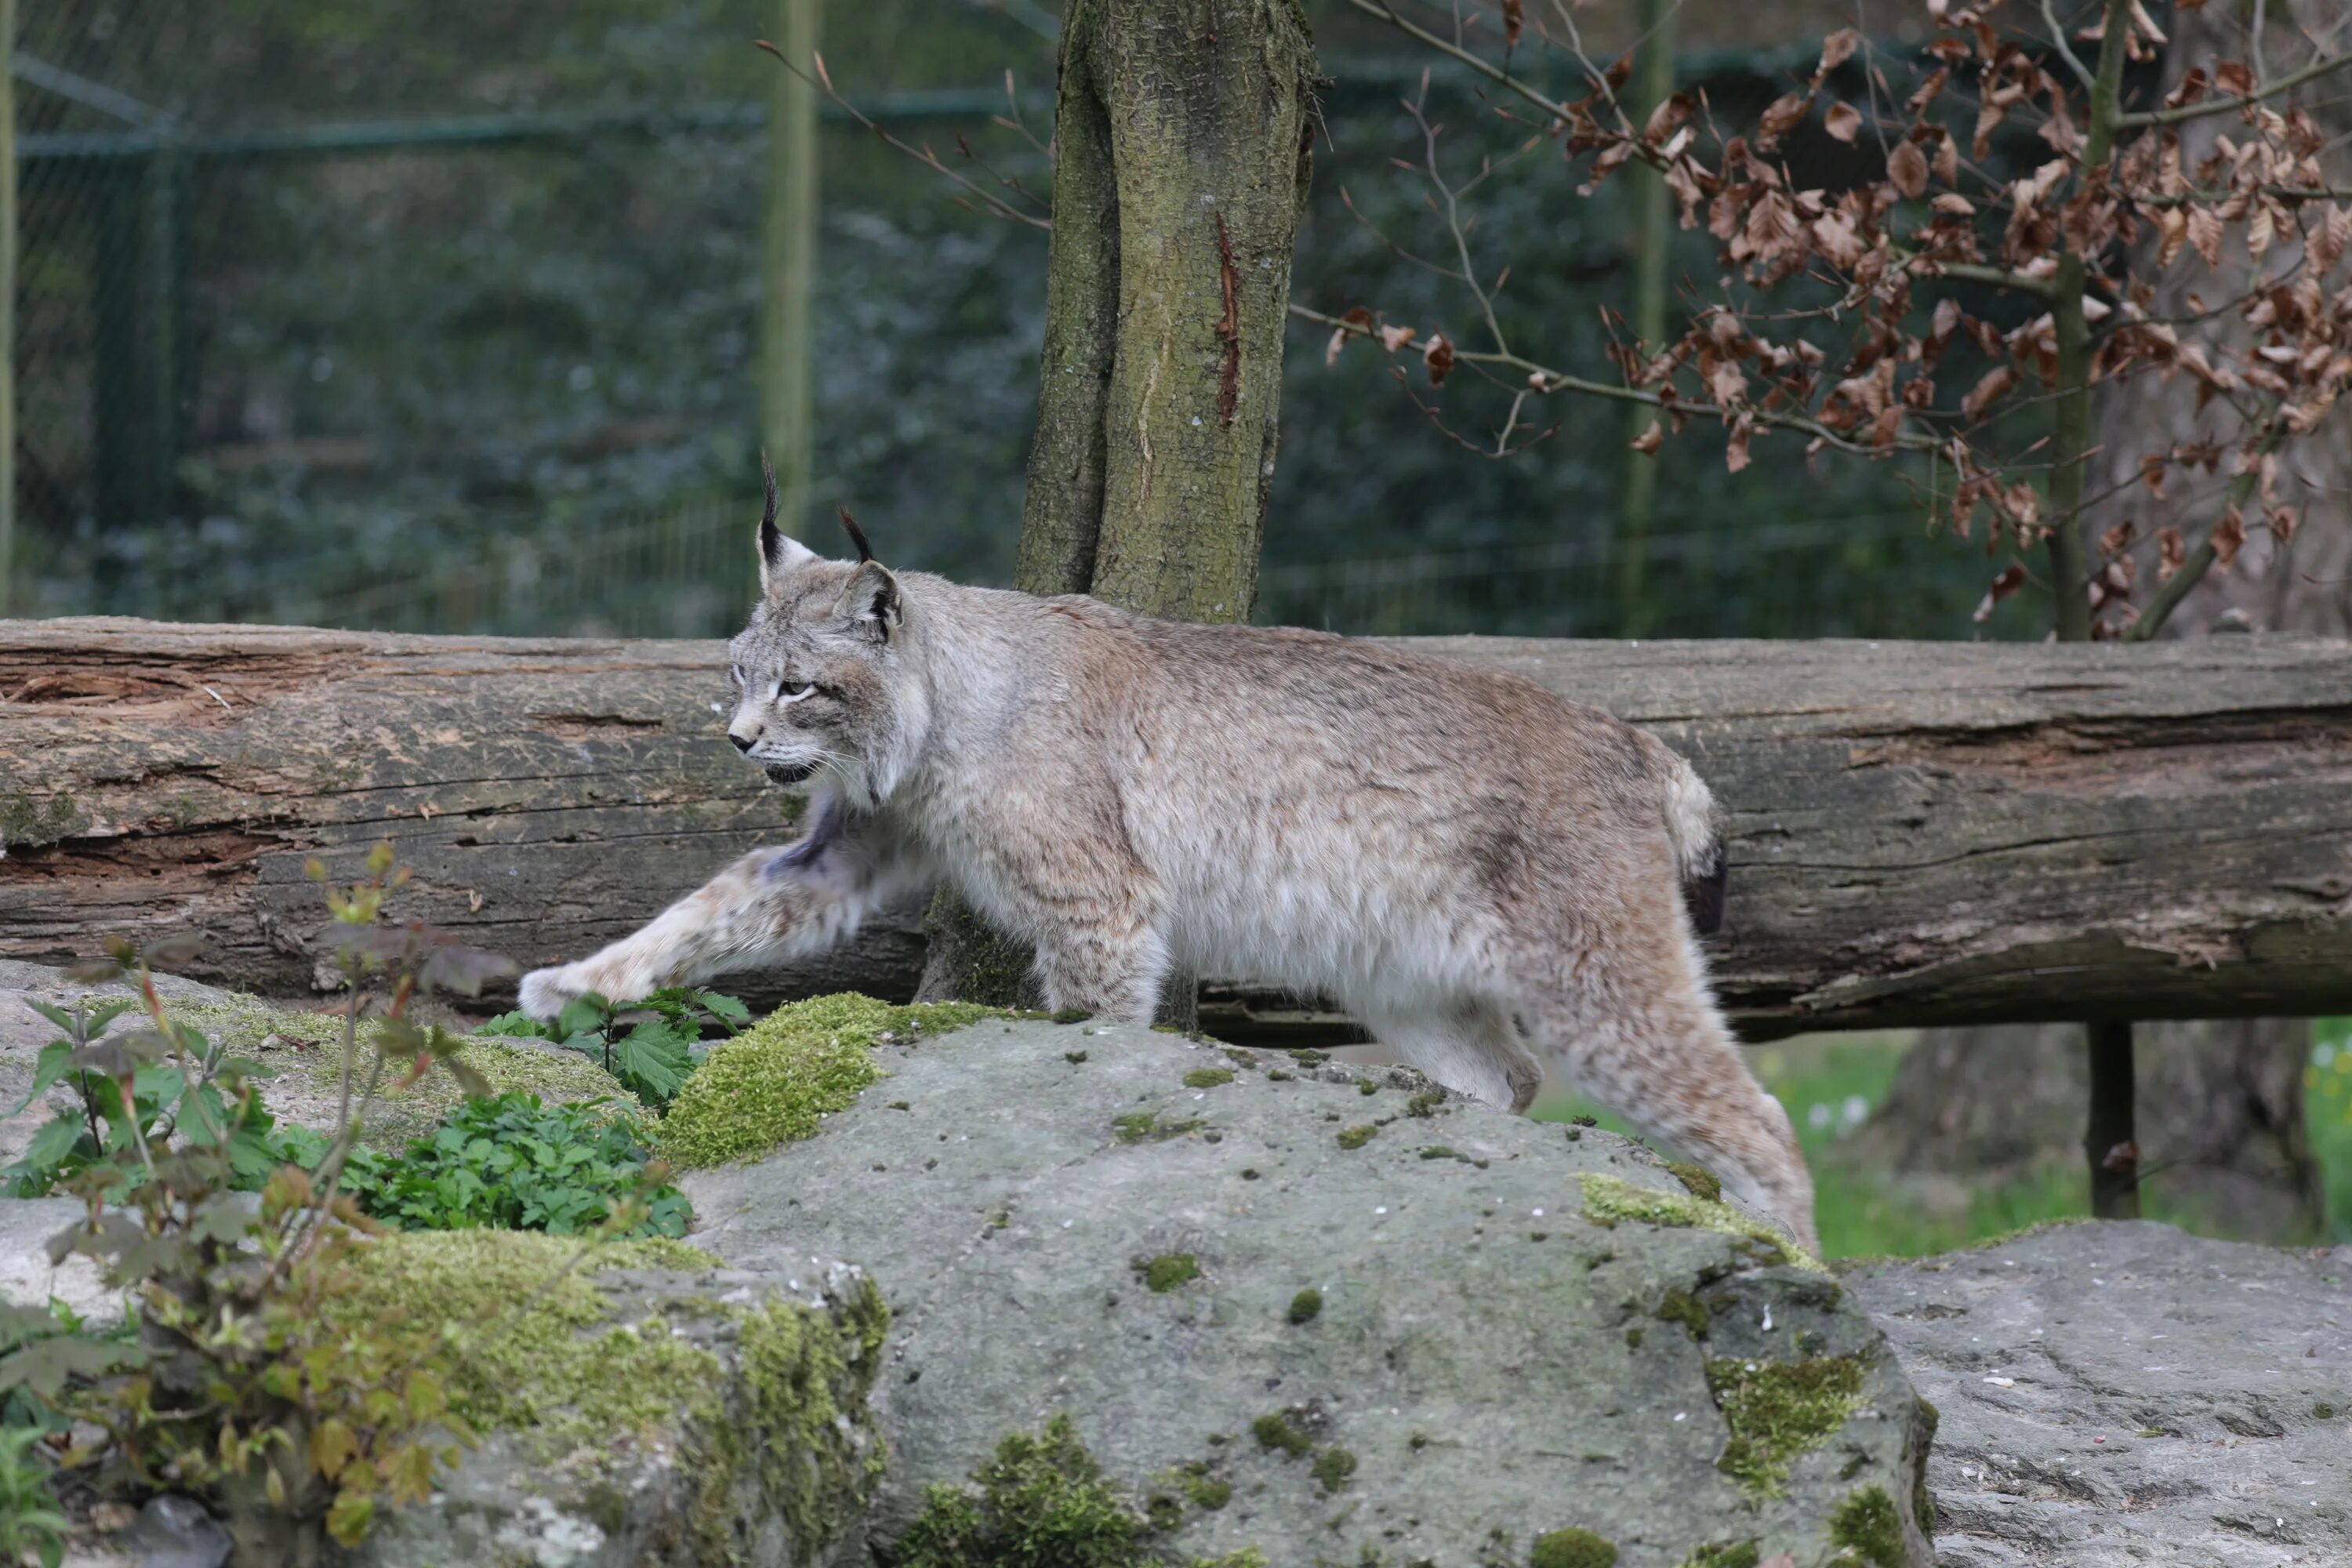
{"points": [[1040, 1499], [1701, 1181], [1679, 1306], [1357, 1137], [1572, 1548], [312, 1057], [1277, 1432], [1728, 1554], [1169, 1271], [1332, 1468], [1777, 1410], [1306, 1305], [772, 1084], [1864, 1524], [1208, 1077], [539, 1344], [1610, 1201]]}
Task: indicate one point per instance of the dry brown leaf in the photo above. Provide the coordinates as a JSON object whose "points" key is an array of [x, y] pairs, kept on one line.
{"points": [[1843, 121], [2205, 234], [1395, 338], [1649, 441], [1988, 390], [1907, 167], [1515, 18], [2261, 229], [1838, 48], [1439, 357], [2010, 580], [2228, 536]]}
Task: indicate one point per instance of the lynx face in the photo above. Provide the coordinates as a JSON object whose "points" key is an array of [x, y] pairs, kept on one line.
{"points": [[813, 679]]}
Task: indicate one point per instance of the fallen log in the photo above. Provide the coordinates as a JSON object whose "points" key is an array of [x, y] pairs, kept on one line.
{"points": [[1919, 833]]}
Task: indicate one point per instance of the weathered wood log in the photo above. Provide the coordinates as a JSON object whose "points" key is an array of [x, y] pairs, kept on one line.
{"points": [[1919, 833]]}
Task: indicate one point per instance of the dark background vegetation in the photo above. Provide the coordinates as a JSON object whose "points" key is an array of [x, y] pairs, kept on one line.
{"points": [[500, 377]]}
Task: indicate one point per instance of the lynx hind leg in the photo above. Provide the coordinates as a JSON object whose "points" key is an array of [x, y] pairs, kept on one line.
{"points": [[1645, 1040], [1471, 1048]]}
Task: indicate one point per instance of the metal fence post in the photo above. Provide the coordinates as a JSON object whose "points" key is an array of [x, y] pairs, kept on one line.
{"points": [[788, 259]]}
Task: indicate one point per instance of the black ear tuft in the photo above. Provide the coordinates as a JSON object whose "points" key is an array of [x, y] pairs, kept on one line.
{"points": [[770, 537], [872, 600], [856, 535]]}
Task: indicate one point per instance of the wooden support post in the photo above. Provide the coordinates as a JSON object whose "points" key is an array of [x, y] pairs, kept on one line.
{"points": [[788, 260], [2111, 1140]]}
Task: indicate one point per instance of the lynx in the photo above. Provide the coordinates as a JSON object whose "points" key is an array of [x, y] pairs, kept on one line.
{"points": [[1490, 876]]}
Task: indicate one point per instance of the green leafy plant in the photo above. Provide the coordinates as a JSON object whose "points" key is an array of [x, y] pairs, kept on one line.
{"points": [[235, 1386], [649, 1046], [31, 1527], [513, 1163]]}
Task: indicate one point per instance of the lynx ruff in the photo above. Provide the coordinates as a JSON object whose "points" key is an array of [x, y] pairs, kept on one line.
{"points": [[1490, 877]]}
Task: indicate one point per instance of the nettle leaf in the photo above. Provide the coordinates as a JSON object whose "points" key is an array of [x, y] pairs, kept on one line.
{"points": [[515, 1026], [726, 1009], [653, 1060], [48, 1068], [582, 1016]]}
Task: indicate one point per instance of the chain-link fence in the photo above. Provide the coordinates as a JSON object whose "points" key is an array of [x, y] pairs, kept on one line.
{"points": [[417, 315]]}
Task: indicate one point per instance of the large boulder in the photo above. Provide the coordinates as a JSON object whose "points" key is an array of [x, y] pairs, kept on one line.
{"points": [[2121, 1395], [1330, 1316]]}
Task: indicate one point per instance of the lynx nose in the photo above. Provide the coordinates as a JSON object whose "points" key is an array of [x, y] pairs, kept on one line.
{"points": [[741, 743]]}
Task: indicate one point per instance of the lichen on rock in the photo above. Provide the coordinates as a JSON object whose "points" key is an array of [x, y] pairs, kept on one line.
{"points": [[774, 1083]]}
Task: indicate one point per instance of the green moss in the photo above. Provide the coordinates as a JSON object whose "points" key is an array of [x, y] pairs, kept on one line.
{"points": [[1143, 1126], [1777, 1410], [1425, 1103], [1356, 1137], [1165, 1513], [1610, 1201], [1701, 1181], [1730, 1554], [1367, 1086], [1277, 1432], [1170, 1269], [311, 1054], [1572, 1548], [1633, 1338], [774, 1082], [1679, 1306], [1039, 1501], [1075, 1059], [1440, 1152], [1205, 1488], [1866, 1524], [1332, 1468], [1071, 1016], [1208, 1077], [1306, 1305]]}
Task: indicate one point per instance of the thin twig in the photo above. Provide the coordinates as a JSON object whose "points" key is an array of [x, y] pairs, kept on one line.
{"points": [[2147, 117]]}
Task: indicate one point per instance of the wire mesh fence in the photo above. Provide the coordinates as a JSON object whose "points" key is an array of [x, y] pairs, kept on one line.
{"points": [[419, 315]]}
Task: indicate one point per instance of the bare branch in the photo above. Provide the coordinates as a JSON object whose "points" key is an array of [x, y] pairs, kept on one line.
{"points": [[2147, 117]]}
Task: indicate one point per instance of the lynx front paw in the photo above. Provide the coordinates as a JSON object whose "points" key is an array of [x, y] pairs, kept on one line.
{"points": [[547, 992]]}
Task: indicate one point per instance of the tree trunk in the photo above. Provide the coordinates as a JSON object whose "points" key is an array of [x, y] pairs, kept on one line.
{"points": [[1918, 833], [1181, 164]]}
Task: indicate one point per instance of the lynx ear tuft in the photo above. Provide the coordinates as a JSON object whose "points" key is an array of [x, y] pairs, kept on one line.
{"points": [[872, 600], [856, 535], [778, 553]]}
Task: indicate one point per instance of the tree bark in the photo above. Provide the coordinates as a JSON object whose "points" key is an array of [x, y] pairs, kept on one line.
{"points": [[1181, 162], [1918, 833]]}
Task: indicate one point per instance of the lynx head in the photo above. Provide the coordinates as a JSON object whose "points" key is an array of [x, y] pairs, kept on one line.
{"points": [[820, 679]]}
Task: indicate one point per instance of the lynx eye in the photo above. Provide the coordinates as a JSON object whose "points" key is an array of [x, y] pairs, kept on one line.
{"points": [[788, 692], [735, 676]]}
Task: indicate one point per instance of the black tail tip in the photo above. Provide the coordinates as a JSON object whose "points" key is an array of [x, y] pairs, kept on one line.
{"points": [[1703, 895]]}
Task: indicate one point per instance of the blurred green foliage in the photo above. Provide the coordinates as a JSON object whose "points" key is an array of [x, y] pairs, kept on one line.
{"points": [[509, 387]]}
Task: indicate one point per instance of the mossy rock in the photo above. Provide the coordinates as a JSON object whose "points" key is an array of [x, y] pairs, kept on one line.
{"points": [[636, 1403], [1370, 1353]]}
